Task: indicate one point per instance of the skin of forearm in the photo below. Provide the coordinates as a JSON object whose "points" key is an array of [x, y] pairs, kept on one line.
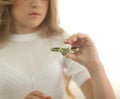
{"points": [[102, 88]]}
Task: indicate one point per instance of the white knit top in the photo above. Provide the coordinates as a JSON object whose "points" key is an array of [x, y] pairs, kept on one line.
{"points": [[27, 64]]}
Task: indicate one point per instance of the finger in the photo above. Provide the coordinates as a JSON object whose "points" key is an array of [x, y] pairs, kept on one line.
{"points": [[49, 97], [71, 38], [29, 96], [71, 56], [35, 97], [79, 40], [46, 97], [74, 38], [41, 95], [37, 93]]}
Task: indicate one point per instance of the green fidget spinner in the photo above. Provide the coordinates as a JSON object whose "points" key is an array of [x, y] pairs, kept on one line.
{"points": [[65, 50]]}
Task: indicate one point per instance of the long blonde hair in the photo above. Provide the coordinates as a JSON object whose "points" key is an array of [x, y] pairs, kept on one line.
{"points": [[67, 80], [50, 24], [5, 20]]}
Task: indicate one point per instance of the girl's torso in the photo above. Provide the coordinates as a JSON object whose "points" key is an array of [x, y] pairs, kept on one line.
{"points": [[27, 64]]}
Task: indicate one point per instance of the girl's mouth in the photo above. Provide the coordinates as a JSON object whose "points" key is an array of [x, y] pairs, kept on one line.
{"points": [[34, 14]]}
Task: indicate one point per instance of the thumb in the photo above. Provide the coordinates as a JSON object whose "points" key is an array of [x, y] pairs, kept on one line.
{"points": [[71, 56]]}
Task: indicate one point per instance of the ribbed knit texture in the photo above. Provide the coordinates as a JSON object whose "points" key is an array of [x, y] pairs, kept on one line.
{"points": [[27, 64]]}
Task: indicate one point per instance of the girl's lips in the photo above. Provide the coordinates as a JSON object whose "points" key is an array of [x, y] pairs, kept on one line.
{"points": [[34, 13]]}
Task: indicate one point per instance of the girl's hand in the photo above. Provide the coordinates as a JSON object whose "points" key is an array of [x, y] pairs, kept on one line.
{"points": [[37, 95], [87, 54]]}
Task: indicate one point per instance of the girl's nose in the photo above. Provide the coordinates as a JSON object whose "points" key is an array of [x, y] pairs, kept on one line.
{"points": [[35, 3]]}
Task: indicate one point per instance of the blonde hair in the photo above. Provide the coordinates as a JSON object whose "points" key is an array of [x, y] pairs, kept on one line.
{"points": [[49, 26], [67, 80], [51, 22], [5, 19]]}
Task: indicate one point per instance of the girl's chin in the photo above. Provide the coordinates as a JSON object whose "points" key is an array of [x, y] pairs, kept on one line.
{"points": [[33, 26]]}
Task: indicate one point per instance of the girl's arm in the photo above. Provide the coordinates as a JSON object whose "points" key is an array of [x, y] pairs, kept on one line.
{"points": [[98, 87]]}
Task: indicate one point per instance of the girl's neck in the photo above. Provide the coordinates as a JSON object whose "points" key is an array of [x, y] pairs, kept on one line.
{"points": [[25, 30]]}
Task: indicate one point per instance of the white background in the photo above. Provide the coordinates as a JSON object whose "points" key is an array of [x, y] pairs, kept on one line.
{"points": [[100, 19]]}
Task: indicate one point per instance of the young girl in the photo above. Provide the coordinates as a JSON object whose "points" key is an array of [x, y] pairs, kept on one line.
{"points": [[29, 70]]}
